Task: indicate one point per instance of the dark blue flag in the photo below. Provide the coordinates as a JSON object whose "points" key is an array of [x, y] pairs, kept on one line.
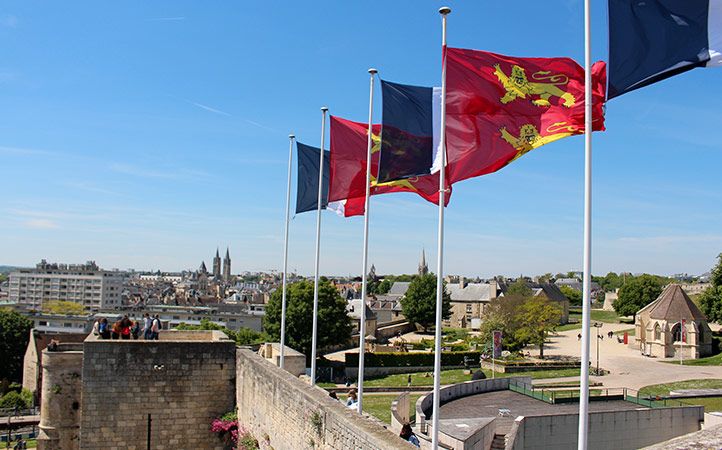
{"points": [[652, 40], [409, 131], [307, 191]]}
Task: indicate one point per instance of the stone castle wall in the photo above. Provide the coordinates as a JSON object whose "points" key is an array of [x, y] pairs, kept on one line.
{"points": [[183, 384], [60, 418], [285, 413]]}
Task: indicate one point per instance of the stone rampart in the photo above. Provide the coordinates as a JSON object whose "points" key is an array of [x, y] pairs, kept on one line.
{"points": [[285, 413], [60, 408], [182, 381]]}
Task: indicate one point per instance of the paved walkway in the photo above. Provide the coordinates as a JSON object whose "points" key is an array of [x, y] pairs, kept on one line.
{"points": [[627, 366]]}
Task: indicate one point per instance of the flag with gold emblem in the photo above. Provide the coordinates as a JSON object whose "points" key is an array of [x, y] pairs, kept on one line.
{"points": [[499, 107], [347, 168]]}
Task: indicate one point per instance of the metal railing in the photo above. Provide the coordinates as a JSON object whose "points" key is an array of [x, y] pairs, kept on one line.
{"points": [[553, 396]]}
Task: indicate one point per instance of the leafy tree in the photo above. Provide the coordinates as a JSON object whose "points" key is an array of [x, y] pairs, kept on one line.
{"points": [[637, 293], [334, 324], [502, 314], [574, 296], [546, 278], [717, 272], [710, 301], [19, 400], [519, 288], [63, 307], [538, 317], [14, 335], [384, 286], [419, 303], [244, 336]]}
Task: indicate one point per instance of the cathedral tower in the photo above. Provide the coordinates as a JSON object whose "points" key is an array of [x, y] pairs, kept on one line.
{"points": [[217, 265], [227, 266]]}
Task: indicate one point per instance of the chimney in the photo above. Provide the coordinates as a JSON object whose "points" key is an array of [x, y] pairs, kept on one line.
{"points": [[462, 281]]}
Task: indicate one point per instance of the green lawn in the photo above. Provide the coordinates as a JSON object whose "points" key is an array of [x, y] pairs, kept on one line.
{"points": [[379, 405], [597, 315], [31, 443], [715, 360], [457, 376], [664, 389], [710, 403]]}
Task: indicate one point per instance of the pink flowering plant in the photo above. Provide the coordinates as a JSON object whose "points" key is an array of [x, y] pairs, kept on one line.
{"points": [[227, 428]]}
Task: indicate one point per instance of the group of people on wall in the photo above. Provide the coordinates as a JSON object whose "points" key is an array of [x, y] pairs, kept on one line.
{"points": [[125, 328]]}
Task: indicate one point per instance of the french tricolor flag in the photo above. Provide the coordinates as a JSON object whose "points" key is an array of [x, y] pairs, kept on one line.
{"points": [[650, 40]]}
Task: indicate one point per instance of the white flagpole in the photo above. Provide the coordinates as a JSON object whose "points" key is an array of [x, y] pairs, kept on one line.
{"points": [[586, 289], [362, 321], [285, 254], [440, 250], [314, 336]]}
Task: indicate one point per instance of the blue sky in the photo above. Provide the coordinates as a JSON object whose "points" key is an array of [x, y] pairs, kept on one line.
{"points": [[146, 134]]}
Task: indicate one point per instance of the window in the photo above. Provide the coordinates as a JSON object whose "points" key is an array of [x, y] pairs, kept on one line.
{"points": [[677, 333], [657, 333], [468, 308], [43, 323]]}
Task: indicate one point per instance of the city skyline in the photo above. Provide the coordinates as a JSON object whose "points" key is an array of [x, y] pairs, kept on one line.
{"points": [[146, 137]]}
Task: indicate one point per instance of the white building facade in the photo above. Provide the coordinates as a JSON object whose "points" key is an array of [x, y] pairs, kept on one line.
{"points": [[85, 284]]}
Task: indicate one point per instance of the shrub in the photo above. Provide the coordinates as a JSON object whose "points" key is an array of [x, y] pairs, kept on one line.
{"points": [[410, 359], [19, 400]]}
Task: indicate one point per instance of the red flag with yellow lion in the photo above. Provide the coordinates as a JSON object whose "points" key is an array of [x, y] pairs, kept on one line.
{"points": [[500, 107]]}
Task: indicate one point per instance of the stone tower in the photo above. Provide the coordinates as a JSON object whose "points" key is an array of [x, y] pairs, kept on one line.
{"points": [[217, 265], [423, 268], [227, 266]]}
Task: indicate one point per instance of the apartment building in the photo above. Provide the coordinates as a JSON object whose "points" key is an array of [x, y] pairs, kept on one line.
{"points": [[85, 284]]}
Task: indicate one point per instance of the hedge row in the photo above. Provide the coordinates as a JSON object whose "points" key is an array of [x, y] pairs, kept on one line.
{"points": [[411, 359]]}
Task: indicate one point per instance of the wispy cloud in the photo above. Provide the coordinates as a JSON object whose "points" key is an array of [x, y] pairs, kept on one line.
{"points": [[88, 187], [166, 173], [208, 108], [8, 21], [166, 19], [18, 151], [41, 224], [671, 239], [259, 125]]}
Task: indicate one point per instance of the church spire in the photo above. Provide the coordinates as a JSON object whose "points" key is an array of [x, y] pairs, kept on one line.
{"points": [[423, 268], [227, 266]]}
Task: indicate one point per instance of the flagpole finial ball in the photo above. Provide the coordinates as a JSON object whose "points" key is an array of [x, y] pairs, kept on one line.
{"points": [[291, 136], [444, 10], [324, 108], [373, 71]]}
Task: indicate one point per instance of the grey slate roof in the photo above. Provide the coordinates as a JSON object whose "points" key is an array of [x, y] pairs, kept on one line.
{"points": [[399, 288], [472, 292]]}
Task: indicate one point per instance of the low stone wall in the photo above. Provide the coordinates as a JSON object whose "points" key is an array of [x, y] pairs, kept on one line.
{"points": [[503, 368], [400, 412], [285, 413], [618, 430], [389, 330]]}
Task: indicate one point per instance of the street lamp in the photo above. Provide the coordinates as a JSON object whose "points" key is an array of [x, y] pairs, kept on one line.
{"points": [[597, 325]]}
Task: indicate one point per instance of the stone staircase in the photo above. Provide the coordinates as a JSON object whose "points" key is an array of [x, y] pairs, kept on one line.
{"points": [[499, 442]]}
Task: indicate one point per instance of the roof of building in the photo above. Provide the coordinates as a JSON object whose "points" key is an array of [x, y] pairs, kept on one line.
{"points": [[399, 288], [471, 292], [674, 304]]}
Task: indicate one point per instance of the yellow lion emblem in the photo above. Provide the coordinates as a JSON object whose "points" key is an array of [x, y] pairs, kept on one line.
{"points": [[518, 86], [529, 139]]}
